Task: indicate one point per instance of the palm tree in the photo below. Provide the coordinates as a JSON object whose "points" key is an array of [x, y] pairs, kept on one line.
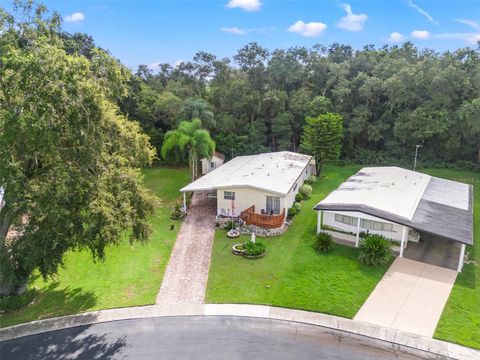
{"points": [[189, 137]]}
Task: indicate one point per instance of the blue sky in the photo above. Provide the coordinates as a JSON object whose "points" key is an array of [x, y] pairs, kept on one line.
{"points": [[149, 32]]}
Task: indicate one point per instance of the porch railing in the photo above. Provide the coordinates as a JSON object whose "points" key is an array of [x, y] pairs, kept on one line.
{"points": [[262, 220]]}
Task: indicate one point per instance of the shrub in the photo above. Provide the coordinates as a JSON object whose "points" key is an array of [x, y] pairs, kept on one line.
{"points": [[292, 212], [297, 207], [298, 197], [306, 191], [229, 225], [176, 213], [16, 302], [311, 179], [375, 250], [324, 242], [254, 249]]}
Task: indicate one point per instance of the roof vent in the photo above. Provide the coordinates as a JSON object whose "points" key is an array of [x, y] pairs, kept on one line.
{"points": [[268, 174]]}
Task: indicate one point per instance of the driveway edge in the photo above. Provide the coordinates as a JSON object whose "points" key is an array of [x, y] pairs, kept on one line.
{"points": [[373, 332]]}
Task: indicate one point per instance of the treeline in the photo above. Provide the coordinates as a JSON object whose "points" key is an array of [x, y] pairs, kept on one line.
{"points": [[391, 99]]}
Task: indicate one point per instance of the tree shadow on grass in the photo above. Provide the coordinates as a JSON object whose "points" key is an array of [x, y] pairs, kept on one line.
{"points": [[53, 301], [73, 343]]}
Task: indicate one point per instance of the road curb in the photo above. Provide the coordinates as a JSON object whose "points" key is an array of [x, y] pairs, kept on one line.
{"points": [[410, 343]]}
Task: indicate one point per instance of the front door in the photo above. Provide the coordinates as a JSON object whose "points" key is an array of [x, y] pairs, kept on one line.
{"points": [[273, 205]]}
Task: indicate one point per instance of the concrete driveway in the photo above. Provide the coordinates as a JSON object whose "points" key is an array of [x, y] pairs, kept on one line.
{"points": [[410, 297]]}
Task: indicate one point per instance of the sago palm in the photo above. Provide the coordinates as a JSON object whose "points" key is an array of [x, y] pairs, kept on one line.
{"points": [[189, 138]]}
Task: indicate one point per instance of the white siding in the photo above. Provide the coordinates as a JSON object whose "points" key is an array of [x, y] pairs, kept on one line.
{"points": [[329, 220], [207, 164], [244, 198]]}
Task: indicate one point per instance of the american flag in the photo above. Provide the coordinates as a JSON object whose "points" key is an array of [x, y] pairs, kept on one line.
{"points": [[233, 207]]}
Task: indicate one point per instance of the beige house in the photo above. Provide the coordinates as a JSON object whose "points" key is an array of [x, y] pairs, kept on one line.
{"points": [[213, 163], [263, 185]]}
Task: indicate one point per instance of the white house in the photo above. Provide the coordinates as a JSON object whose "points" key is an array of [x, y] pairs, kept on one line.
{"points": [[433, 215], [263, 185], [209, 165]]}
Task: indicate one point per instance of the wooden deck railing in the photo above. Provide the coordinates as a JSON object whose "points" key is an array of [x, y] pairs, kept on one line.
{"points": [[262, 220]]}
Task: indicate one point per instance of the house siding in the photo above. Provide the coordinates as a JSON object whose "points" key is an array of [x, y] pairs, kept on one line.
{"points": [[329, 220], [244, 198]]}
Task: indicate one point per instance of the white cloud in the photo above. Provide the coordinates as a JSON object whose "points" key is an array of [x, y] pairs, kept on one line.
{"points": [[422, 12], [310, 29], [396, 37], [234, 30], [351, 21], [471, 23], [154, 66], [474, 39], [75, 17], [247, 5], [420, 34]]}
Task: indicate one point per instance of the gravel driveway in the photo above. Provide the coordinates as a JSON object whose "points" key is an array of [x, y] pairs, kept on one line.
{"points": [[186, 276]]}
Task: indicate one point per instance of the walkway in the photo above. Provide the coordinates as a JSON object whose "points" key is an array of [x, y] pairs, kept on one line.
{"points": [[410, 297], [343, 330], [186, 276]]}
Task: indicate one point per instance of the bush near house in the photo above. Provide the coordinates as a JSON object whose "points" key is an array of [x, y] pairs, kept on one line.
{"points": [[298, 197], [324, 242], [311, 179], [291, 212], [297, 207], [375, 250], [306, 191]]}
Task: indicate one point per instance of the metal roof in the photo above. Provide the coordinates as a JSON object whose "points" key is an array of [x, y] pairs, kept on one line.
{"points": [[275, 172], [437, 206]]}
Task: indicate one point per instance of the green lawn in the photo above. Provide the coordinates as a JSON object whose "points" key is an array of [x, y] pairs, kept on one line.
{"points": [[460, 321], [130, 275], [293, 274]]}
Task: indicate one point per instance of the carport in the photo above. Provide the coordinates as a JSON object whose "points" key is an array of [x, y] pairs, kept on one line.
{"points": [[435, 250]]}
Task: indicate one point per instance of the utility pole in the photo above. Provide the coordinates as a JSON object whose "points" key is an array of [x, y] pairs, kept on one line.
{"points": [[416, 153]]}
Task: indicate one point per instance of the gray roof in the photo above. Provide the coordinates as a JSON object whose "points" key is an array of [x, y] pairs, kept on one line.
{"points": [[445, 209]]}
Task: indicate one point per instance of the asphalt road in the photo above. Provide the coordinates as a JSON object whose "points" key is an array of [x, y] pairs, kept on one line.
{"points": [[206, 337]]}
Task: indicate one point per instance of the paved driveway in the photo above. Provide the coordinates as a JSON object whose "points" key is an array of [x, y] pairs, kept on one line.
{"points": [[186, 276], [410, 297]]}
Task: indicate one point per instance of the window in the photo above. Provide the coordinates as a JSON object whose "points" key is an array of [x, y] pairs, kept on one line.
{"points": [[295, 187], [229, 195], [273, 205], [212, 165], [345, 219], [376, 225]]}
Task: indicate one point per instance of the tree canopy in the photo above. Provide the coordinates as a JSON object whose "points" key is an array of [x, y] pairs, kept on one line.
{"points": [[69, 160], [391, 98], [322, 137], [191, 140]]}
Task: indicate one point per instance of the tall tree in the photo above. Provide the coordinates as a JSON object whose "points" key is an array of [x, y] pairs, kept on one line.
{"points": [[69, 163], [189, 138], [322, 138]]}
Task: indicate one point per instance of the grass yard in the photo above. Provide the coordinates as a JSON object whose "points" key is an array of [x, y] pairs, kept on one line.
{"points": [[130, 275], [460, 321], [294, 274]]}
